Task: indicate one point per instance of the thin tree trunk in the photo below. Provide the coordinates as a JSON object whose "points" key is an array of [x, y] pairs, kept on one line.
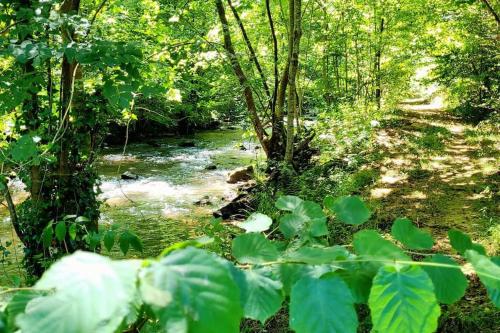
{"points": [[253, 56], [276, 141], [245, 85], [492, 11], [378, 78], [294, 44]]}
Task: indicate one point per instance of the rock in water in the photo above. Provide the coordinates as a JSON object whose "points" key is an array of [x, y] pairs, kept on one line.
{"points": [[241, 175], [129, 176], [211, 167]]}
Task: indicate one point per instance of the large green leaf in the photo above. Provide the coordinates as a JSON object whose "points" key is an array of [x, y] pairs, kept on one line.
{"points": [[322, 306], [193, 291], [256, 222], [17, 304], [488, 272], [313, 215], [369, 244], [61, 231], [291, 273], [462, 242], [449, 283], [291, 225], [358, 276], [261, 296], [402, 299], [411, 237], [288, 202], [317, 255], [254, 248], [91, 294], [349, 210]]}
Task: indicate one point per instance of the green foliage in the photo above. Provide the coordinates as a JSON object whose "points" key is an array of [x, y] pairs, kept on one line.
{"points": [[488, 272], [349, 210], [254, 248], [322, 305], [88, 291], [188, 289], [449, 284], [402, 299], [410, 236], [256, 222], [462, 242], [192, 291]]}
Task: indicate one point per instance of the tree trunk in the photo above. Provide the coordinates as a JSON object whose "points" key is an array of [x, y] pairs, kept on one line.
{"points": [[378, 77], [294, 45]]}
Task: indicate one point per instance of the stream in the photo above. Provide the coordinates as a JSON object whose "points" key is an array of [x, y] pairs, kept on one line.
{"points": [[163, 205]]}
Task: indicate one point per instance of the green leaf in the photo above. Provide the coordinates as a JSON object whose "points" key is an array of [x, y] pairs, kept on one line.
{"points": [[291, 225], [313, 215], [322, 306], [72, 231], [462, 242], [136, 242], [358, 277], [349, 210], [124, 241], [61, 231], [81, 219], [449, 283], [17, 304], [288, 202], [91, 294], [24, 149], [254, 248], [191, 290], [109, 239], [402, 299], [488, 272], [317, 255], [256, 222], [370, 244], [261, 296], [291, 273], [47, 234], [410, 236]]}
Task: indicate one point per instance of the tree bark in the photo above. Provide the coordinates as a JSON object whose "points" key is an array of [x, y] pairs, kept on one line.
{"points": [[247, 91], [492, 11], [253, 56], [276, 141], [378, 77], [294, 45]]}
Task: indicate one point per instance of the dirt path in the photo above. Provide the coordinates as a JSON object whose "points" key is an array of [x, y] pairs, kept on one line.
{"points": [[440, 172]]}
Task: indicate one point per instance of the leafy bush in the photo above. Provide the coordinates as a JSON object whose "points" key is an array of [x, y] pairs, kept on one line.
{"points": [[188, 289]]}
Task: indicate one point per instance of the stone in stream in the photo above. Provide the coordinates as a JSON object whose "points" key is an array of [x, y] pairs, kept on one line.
{"points": [[188, 143], [127, 175], [211, 167], [241, 175], [205, 201], [243, 148]]}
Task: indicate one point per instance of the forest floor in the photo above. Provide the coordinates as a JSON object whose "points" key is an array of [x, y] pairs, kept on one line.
{"points": [[442, 173]]}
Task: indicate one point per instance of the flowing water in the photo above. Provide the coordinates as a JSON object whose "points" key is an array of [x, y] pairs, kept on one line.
{"points": [[163, 205]]}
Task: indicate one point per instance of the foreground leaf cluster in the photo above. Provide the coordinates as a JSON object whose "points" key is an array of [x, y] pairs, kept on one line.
{"points": [[188, 289]]}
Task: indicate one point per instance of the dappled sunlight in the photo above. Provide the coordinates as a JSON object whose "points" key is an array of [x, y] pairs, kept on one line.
{"points": [[430, 170], [378, 193]]}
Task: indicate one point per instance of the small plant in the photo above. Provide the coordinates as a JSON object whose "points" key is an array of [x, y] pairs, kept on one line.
{"points": [[187, 289]]}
